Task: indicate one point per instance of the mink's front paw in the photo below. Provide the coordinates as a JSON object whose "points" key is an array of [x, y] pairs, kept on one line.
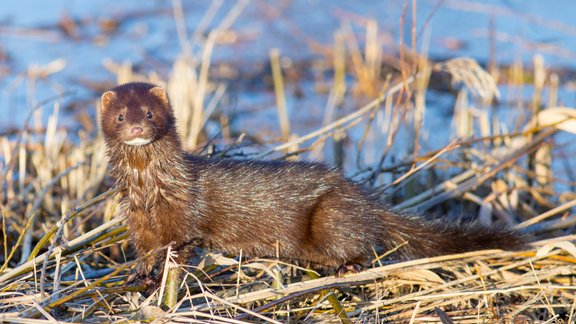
{"points": [[149, 283]]}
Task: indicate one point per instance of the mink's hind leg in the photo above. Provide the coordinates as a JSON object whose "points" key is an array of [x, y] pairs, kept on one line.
{"points": [[348, 268], [339, 230]]}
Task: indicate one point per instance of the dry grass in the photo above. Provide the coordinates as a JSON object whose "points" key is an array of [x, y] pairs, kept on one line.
{"points": [[65, 251]]}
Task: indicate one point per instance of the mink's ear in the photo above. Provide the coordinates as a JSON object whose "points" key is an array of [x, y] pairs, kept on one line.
{"points": [[107, 98], [161, 94]]}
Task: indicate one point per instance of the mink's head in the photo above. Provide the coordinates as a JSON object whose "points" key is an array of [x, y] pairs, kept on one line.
{"points": [[136, 114]]}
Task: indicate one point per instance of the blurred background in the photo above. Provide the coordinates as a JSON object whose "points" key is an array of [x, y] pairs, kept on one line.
{"points": [[217, 59], [49, 48]]}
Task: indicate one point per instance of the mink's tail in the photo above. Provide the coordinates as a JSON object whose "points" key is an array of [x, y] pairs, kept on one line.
{"points": [[420, 238]]}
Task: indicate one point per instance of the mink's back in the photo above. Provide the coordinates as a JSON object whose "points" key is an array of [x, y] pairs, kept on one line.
{"points": [[261, 180], [267, 189], [303, 210]]}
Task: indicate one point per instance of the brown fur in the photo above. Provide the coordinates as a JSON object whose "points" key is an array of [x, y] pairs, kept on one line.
{"points": [[311, 212]]}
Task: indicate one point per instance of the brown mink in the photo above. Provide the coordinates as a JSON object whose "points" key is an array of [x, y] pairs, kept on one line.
{"points": [[305, 211]]}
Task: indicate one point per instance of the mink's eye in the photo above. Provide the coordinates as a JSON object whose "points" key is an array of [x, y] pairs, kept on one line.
{"points": [[120, 117], [149, 115]]}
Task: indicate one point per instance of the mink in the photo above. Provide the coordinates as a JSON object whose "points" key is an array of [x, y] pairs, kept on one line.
{"points": [[294, 210]]}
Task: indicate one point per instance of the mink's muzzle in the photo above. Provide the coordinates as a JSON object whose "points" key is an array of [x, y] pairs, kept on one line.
{"points": [[137, 131]]}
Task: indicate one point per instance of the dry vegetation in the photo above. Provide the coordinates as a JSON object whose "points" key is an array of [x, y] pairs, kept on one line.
{"points": [[65, 251]]}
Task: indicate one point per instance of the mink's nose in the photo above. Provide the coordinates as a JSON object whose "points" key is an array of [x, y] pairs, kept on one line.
{"points": [[137, 131]]}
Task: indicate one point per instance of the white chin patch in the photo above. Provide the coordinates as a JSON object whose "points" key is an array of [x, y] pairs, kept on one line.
{"points": [[138, 142]]}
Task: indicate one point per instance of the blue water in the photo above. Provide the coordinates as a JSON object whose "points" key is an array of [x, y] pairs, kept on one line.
{"points": [[447, 28]]}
